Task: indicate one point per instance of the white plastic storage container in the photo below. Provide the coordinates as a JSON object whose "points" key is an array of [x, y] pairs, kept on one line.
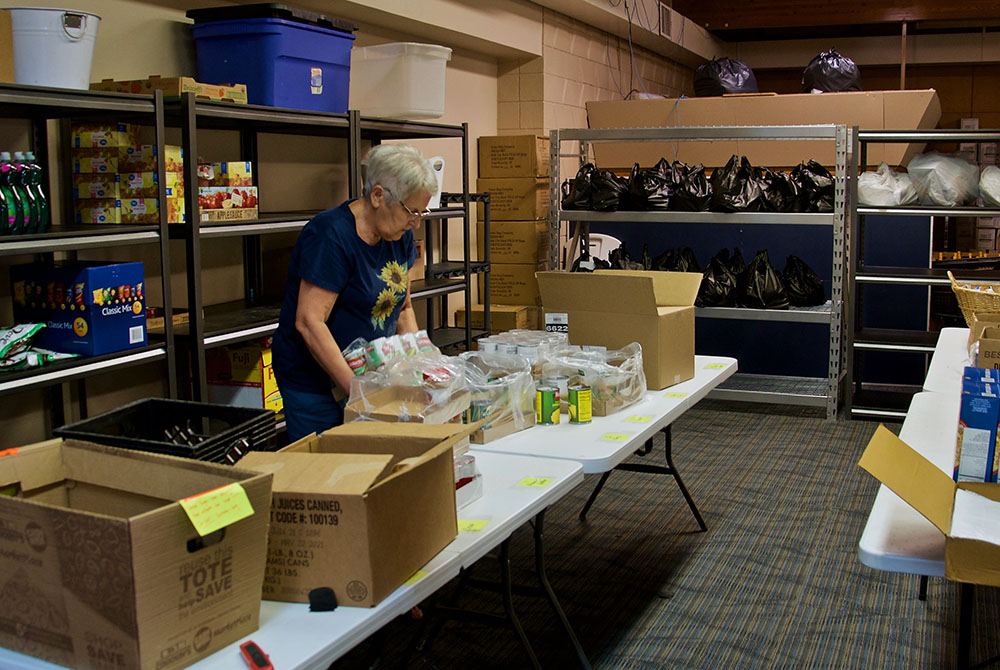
{"points": [[400, 80]]}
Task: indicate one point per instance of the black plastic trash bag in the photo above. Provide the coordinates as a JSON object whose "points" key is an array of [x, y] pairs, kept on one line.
{"points": [[816, 182], [576, 192], [718, 283], [830, 72], [607, 188], [647, 262], [725, 75], [621, 260], [684, 261], [692, 190], [735, 188], [736, 264], [664, 261], [648, 189], [803, 286], [763, 288], [779, 192]]}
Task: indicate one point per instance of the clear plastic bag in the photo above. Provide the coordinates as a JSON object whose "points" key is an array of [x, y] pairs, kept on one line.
{"points": [[615, 378], [944, 180], [989, 185], [426, 388], [885, 188], [502, 388]]}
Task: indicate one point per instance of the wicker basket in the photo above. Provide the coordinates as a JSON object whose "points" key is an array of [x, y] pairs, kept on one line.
{"points": [[971, 300]]}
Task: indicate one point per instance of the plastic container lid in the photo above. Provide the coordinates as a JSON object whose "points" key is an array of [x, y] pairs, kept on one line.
{"points": [[269, 10]]}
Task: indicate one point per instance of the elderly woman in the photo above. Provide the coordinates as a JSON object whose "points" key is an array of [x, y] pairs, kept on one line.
{"points": [[347, 278]]}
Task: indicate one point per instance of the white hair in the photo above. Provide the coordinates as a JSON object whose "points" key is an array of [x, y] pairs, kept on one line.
{"points": [[400, 169]]}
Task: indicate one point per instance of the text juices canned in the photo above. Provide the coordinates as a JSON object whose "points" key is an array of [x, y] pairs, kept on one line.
{"points": [[547, 405], [579, 404]]}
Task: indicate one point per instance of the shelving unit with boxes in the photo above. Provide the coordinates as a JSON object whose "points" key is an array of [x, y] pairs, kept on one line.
{"points": [[823, 392]]}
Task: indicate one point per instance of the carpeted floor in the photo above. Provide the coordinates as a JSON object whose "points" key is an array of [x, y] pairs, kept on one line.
{"points": [[774, 583]]}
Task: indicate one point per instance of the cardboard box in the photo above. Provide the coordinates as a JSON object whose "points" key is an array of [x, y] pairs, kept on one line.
{"points": [[869, 110], [147, 184], [173, 87], [986, 239], [102, 210], [126, 158], [616, 307], [96, 135], [978, 415], [96, 309], [227, 203], [409, 402], [502, 317], [97, 186], [6, 48], [501, 428], [227, 173], [516, 242], [989, 345], [981, 321], [102, 567], [513, 156], [515, 198], [155, 320], [946, 504], [243, 377], [513, 284], [344, 516]]}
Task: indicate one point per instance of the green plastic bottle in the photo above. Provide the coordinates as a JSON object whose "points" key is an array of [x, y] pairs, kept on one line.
{"points": [[37, 177], [15, 208], [21, 179]]}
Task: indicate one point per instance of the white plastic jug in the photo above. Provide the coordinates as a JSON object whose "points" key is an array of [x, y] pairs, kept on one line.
{"points": [[53, 47], [437, 162]]}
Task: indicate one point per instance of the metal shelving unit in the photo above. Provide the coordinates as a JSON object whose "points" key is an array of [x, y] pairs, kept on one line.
{"points": [[892, 402], [38, 106], [817, 392]]}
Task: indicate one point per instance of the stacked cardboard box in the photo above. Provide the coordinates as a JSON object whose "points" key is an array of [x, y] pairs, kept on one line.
{"points": [[115, 176], [514, 170]]}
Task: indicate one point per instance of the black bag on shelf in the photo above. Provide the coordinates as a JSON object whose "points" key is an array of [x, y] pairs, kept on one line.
{"points": [[647, 262], [724, 75], [692, 190], [735, 187], [621, 260], [649, 189], [830, 72], [816, 183], [803, 286], [763, 288], [663, 262], [607, 189], [736, 264], [779, 192], [576, 192], [718, 284], [683, 261]]}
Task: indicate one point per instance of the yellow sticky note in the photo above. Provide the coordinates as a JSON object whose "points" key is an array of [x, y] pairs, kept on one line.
{"points": [[215, 509], [675, 395], [536, 482], [639, 419], [417, 576], [616, 437], [715, 365], [472, 525]]}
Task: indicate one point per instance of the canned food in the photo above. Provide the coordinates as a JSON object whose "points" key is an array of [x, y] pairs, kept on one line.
{"points": [[507, 348], [529, 351], [424, 341], [547, 405], [560, 381], [410, 346], [479, 409], [486, 345], [356, 360], [579, 404], [373, 353]]}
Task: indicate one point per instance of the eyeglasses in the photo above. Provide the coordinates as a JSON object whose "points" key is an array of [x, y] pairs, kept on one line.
{"points": [[409, 212]]}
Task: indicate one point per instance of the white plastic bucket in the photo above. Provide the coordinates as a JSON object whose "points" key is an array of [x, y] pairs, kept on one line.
{"points": [[399, 80], [53, 47]]}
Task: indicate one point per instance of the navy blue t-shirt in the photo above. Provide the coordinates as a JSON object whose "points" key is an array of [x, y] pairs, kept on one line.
{"points": [[370, 283]]}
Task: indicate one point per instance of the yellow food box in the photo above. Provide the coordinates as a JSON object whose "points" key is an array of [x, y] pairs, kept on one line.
{"points": [[174, 158], [175, 210], [95, 164], [242, 376], [98, 210], [147, 184], [95, 135], [140, 210], [96, 185], [174, 87]]}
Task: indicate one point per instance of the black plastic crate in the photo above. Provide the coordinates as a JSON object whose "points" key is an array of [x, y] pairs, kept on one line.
{"points": [[216, 433]]}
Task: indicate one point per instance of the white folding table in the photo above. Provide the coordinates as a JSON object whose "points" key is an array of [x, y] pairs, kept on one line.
{"points": [[951, 355]]}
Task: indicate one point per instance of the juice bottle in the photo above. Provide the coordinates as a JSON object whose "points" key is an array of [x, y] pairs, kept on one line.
{"points": [[44, 212], [22, 179], [15, 208]]}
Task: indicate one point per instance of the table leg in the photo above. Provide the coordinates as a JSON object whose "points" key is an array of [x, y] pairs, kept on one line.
{"points": [[550, 594], [677, 477], [922, 589], [965, 601], [508, 603], [593, 496]]}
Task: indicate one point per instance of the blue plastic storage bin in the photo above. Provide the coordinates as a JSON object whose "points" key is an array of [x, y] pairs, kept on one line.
{"points": [[283, 63]]}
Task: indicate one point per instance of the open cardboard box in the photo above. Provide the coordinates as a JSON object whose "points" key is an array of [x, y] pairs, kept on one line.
{"points": [[102, 568], [407, 404], [359, 509], [869, 110], [501, 427], [972, 545], [616, 307]]}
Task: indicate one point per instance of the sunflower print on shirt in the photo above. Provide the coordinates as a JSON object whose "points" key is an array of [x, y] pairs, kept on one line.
{"points": [[393, 274]]}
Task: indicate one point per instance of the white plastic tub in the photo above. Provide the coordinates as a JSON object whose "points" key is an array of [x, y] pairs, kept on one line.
{"points": [[400, 80], [53, 47]]}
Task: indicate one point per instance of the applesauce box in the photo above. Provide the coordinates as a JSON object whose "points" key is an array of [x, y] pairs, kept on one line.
{"points": [[87, 309]]}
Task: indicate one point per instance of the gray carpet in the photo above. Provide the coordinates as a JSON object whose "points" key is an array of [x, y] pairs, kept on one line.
{"points": [[774, 583]]}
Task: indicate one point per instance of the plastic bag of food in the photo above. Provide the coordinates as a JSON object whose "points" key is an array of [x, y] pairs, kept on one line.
{"points": [[576, 192], [501, 388], [620, 259], [426, 388], [763, 288], [616, 378], [829, 72], [718, 283], [649, 189], [944, 180], [816, 183], [724, 75], [885, 188], [779, 192], [989, 185], [803, 286], [692, 190], [17, 338], [735, 187], [607, 191]]}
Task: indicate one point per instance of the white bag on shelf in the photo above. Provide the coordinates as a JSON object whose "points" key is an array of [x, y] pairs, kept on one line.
{"points": [[989, 185], [944, 180], [885, 188]]}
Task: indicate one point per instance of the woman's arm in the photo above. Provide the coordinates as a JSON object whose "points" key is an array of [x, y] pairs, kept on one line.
{"points": [[315, 305], [407, 322]]}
